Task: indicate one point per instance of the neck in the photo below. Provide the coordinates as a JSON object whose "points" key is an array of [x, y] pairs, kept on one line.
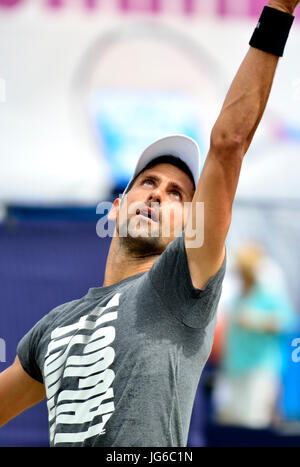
{"points": [[122, 264]]}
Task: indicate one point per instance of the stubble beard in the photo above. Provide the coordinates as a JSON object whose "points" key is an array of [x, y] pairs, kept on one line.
{"points": [[140, 245]]}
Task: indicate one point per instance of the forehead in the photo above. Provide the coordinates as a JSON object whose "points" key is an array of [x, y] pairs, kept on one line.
{"points": [[168, 171], [171, 174]]}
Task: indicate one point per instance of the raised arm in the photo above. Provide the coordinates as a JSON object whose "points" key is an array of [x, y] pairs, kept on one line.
{"points": [[18, 392], [230, 139]]}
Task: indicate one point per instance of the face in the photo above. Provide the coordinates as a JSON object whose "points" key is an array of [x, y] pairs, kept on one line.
{"points": [[154, 211]]}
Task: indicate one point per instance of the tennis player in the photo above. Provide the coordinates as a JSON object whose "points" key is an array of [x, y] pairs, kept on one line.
{"points": [[120, 366]]}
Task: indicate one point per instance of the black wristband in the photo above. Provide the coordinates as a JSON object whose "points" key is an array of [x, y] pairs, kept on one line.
{"points": [[272, 31]]}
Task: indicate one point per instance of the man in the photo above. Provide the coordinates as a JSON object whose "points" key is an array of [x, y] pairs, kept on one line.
{"points": [[120, 366], [251, 363]]}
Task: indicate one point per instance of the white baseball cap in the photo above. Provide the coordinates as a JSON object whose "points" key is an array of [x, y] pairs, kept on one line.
{"points": [[181, 146]]}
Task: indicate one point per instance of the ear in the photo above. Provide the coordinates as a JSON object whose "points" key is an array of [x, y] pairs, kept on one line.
{"points": [[114, 212]]}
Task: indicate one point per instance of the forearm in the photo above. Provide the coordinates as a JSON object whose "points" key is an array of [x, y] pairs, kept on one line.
{"points": [[246, 99], [248, 95], [258, 324]]}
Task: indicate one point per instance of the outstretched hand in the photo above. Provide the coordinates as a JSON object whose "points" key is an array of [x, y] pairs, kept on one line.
{"points": [[287, 6]]}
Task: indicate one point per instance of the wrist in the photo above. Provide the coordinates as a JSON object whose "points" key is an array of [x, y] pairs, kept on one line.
{"points": [[279, 6], [272, 30]]}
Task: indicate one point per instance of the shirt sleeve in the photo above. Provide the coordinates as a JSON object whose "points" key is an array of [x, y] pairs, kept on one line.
{"points": [[27, 352], [31, 346], [170, 277]]}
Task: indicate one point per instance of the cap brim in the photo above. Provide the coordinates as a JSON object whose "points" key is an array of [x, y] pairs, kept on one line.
{"points": [[181, 146]]}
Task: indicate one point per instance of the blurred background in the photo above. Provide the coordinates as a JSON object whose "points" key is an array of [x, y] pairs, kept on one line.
{"points": [[85, 85]]}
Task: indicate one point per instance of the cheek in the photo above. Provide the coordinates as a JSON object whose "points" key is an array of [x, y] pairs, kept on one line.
{"points": [[126, 207], [174, 215]]}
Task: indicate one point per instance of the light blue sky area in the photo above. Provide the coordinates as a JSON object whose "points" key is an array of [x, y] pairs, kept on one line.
{"points": [[128, 121]]}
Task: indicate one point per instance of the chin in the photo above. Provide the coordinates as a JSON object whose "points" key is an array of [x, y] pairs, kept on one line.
{"points": [[143, 245]]}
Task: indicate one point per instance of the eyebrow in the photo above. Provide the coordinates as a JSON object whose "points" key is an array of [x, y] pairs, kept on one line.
{"points": [[172, 183]]}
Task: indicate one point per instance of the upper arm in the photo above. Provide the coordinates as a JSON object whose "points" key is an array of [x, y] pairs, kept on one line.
{"points": [[18, 392], [170, 280], [216, 189]]}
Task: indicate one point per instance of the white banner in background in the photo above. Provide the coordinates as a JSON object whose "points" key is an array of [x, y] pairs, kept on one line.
{"points": [[56, 54], [222, 8]]}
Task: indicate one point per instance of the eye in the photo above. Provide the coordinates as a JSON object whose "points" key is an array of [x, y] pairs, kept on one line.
{"points": [[176, 194], [148, 181]]}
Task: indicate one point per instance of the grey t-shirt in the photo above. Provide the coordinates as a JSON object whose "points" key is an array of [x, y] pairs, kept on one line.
{"points": [[121, 365]]}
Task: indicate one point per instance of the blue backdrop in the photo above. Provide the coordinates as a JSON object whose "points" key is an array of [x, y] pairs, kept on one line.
{"points": [[49, 261], [43, 263]]}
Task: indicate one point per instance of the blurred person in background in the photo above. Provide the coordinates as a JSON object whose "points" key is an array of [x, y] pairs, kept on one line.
{"points": [[248, 384]]}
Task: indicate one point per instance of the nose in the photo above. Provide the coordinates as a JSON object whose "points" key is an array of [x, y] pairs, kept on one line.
{"points": [[155, 196]]}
